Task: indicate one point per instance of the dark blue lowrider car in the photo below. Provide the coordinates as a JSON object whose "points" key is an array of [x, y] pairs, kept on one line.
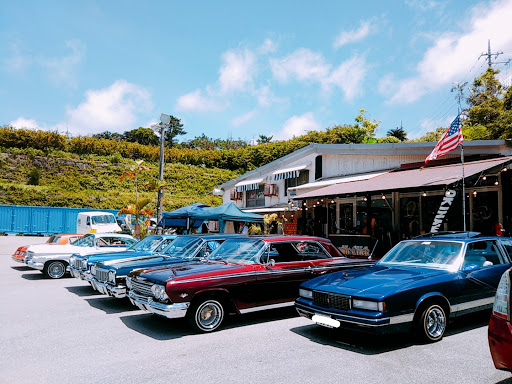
{"points": [[418, 285], [109, 277], [79, 264]]}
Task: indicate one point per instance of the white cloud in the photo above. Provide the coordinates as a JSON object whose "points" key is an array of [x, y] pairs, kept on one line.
{"points": [[110, 109], [453, 55], [424, 5], [349, 76], [268, 46], [195, 101], [21, 122], [18, 61], [305, 65], [62, 70], [302, 64], [296, 126], [237, 71], [347, 37], [239, 120]]}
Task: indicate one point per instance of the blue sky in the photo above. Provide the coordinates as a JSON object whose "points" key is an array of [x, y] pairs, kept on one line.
{"points": [[241, 69]]}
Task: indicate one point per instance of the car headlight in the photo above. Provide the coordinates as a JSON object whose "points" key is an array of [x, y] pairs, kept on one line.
{"points": [[129, 283], [159, 291], [369, 305], [72, 259], [112, 276], [93, 270], [84, 264], [305, 293]]}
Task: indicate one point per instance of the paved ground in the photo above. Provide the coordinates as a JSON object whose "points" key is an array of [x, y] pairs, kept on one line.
{"points": [[61, 331]]}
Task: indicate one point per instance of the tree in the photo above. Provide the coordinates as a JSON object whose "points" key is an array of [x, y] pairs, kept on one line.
{"points": [[139, 208], [489, 115], [175, 128], [144, 136], [398, 132], [264, 139], [109, 136]]}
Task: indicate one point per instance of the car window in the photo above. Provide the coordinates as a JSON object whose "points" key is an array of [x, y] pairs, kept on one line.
{"points": [[86, 241], [507, 244], [483, 253]]}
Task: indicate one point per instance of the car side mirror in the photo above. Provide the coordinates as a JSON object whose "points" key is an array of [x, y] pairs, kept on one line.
{"points": [[271, 262], [470, 267]]}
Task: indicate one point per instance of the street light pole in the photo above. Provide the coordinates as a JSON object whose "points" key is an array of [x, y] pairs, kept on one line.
{"points": [[164, 124]]}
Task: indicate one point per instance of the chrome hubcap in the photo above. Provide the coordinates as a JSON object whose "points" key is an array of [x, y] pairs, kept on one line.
{"points": [[435, 322], [56, 270], [209, 315]]}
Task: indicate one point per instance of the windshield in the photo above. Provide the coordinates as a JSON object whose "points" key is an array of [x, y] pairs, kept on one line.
{"points": [[103, 219], [86, 241], [185, 247], [430, 254], [239, 251], [147, 244]]}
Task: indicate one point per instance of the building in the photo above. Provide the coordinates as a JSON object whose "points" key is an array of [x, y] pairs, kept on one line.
{"points": [[361, 193]]}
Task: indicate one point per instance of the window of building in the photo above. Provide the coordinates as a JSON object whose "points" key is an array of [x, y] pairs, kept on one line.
{"points": [[255, 198], [296, 181], [318, 167]]}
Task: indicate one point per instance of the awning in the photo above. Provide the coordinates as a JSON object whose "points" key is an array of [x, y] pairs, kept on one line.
{"points": [[414, 178], [248, 185], [289, 173], [267, 209], [324, 183]]}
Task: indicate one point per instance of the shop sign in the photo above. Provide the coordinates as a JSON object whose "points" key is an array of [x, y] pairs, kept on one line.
{"points": [[356, 250], [443, 210]]}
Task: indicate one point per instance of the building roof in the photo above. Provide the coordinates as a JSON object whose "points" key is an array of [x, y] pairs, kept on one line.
{"points": [[414, 178]]}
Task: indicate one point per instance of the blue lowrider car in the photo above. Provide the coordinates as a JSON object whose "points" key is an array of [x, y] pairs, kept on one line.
{"points": [[109, 277], [418, 285], [79, 265]]}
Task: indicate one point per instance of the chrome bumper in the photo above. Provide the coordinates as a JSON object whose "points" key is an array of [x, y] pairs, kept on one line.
{"points": [[118, 292], [19, 260], [33, 264], [171, 311], [77, 274]]}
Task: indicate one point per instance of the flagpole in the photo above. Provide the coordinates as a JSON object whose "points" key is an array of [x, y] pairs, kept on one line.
{"points": [[463, 188]]}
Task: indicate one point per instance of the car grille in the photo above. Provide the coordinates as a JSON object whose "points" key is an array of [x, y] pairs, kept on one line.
{"points": [[331, 300], [77, 264], [142, 287], [100, 274]]}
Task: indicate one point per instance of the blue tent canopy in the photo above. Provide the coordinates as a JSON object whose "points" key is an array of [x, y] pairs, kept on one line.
{"points": [[227, 212], [183, 217]]}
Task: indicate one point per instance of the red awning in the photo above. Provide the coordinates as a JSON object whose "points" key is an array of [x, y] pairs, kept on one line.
{"points": [[414, 178]]}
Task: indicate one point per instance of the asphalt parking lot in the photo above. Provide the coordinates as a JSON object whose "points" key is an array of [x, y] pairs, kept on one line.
{"points": [[61, 331]]}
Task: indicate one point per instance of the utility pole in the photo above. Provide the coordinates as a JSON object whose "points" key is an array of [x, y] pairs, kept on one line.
{"points": [[164, 124], [489, 54], [459, 88]]}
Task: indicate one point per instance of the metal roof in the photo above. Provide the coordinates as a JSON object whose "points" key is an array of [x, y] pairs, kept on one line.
{"points": [[415, 178]]}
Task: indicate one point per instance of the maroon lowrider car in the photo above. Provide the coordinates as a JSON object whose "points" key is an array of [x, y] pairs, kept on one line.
{"points": [[243, 274]]}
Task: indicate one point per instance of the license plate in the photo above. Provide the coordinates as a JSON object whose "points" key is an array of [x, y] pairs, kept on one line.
{"points": [[326, 321]]}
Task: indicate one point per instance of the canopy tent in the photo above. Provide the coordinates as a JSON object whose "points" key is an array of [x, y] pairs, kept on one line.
{"points": [[183, 217], [227, 212]]}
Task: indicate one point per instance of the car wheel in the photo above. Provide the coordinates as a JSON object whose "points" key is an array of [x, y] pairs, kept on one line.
{"points": [[206, 315], [55, 269], [432, 323]]}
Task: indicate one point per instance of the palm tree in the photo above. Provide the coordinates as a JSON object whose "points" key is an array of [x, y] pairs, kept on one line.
{"points": [[139, 209], [398, 132]]}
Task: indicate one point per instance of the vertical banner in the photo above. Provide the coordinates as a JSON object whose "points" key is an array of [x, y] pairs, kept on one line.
{"points": [[443, 210]]}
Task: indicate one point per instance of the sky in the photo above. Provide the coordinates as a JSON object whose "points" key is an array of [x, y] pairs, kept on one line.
{"points": [[234, 69]]}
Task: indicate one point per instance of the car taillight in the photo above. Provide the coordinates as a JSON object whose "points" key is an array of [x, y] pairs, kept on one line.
{"points": [[501, 306]]}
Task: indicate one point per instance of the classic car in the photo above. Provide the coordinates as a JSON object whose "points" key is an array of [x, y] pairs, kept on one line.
{"points": [[500, 325], [52, 261], [418, 285], [109, 277], [61, 239], [243, 274], [79, 264]]}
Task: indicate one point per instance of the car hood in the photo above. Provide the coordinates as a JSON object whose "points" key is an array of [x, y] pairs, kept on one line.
{"points": [[41, 249], [373, 281], [100, 257], [187, 270], [123, 267]]}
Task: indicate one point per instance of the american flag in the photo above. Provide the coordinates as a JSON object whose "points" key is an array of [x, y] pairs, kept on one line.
{"points": [[448, 142]]}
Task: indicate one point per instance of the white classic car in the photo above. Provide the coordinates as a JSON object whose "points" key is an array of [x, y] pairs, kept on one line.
{"points": [[53, 261]]}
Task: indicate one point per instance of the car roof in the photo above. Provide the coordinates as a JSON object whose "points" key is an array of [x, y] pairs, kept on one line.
{"points": [[456, 235]]}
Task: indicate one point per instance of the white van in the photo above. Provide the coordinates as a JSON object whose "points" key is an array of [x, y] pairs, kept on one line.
{"points": [[96, 222]]}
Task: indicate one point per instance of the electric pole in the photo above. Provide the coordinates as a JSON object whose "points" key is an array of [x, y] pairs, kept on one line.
{"points": [[459, 88], [489, 54], [164, 124]]}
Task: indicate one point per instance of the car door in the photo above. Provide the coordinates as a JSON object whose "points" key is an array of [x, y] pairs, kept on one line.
{"points": [[286, 266], [484, 263]]}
